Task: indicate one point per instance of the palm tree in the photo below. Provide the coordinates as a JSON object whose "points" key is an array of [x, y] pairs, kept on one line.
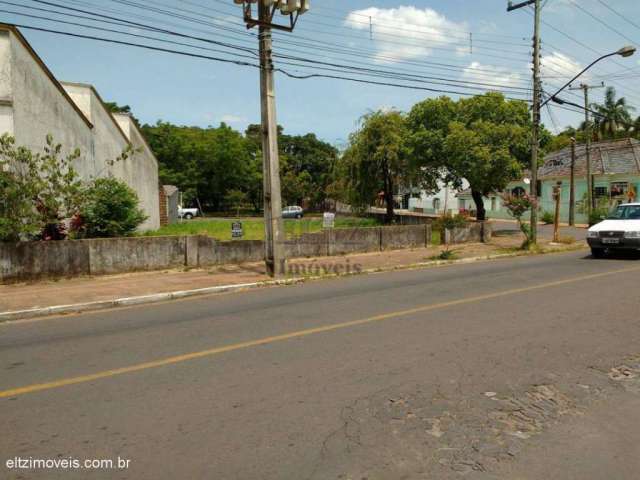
{"points": [[614, 115]]}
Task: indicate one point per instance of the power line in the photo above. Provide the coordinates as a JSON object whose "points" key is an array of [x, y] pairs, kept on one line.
{"points": [[94, 27], [314, 46], [464, 34], [410, 77], [623, 17], [141, 25], [600, 21], [358, 37], [243, 63], [337, 67], [583, 45]]}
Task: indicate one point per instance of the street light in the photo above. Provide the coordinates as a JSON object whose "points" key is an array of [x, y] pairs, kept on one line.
{"points": [[623, 52], [274, 238]]}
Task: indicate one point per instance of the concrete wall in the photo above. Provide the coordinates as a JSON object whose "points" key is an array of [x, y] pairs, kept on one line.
{"points": [[37, 260], [474, 232], [117, 255], [141, 172], [402, 217], [33, 104]]}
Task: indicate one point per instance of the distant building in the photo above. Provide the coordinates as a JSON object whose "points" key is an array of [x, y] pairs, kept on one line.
{"points": [[445, 200], [615, 166], [169, 205], [33, 104]]}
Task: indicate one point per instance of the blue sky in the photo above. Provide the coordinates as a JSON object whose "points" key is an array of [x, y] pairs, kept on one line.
{"points": [[420, 37]]}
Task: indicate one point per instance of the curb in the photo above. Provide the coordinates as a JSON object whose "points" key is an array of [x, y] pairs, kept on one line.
{"points": [[161, 297], [139, 300]]}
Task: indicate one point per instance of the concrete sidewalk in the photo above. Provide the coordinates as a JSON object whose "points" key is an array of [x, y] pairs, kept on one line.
{"points": [[85, 290]]}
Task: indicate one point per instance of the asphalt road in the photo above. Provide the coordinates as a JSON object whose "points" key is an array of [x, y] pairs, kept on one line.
{"points": [[524, 368]]}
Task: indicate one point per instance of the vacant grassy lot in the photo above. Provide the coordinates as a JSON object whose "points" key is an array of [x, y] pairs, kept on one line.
{"points": [[254, 228]]}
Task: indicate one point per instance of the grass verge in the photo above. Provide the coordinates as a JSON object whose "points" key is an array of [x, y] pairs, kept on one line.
{"points": [[254, 228]]}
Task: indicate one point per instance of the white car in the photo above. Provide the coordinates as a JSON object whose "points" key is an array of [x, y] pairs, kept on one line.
{"points": [[620, 231], [293, 212], [187, 213]]}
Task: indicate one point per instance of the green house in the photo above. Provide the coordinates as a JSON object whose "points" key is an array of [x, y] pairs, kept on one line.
{"points": [[615, 166]]}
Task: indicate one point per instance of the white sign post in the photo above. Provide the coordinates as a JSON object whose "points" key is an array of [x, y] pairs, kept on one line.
{"points": [[329, 220]]}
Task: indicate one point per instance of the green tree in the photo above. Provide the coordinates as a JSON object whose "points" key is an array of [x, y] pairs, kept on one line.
{"points": [[236, 199], [614, 116], [110, 209], [306, 164], [37, 191], [113, 107], [483, 139], [205, 163], [377, 160]]}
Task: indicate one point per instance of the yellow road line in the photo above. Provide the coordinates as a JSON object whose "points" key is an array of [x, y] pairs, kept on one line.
{"points": [[297, 334]]}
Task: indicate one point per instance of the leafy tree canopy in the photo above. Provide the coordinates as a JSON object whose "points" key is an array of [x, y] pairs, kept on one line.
{"points": [[484, 139], [208, 163]]}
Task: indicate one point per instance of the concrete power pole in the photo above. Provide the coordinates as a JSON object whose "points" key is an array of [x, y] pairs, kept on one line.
{"points": [[591, 204], [537, 97], [273, 223]]}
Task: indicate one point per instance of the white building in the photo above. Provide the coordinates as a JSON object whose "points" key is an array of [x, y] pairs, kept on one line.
{"points": [[33, 104], [445, 200]]}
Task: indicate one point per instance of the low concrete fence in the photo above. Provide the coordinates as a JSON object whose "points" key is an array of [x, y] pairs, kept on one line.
{"points": [[40, 260], [473, 232]]}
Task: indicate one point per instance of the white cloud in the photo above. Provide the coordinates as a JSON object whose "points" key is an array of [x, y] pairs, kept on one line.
{"points": [[233, 119], [557, 65], [477, 72], [396, 30]]}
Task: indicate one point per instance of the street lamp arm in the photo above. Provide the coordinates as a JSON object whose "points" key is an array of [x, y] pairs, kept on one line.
{"points": [[577, 76]]}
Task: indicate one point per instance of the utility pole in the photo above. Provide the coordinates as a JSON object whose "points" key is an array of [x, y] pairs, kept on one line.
{"points": [[275, 258], [273, 223], [572, 186], [557, 196], [587, 132], [535, 134]]}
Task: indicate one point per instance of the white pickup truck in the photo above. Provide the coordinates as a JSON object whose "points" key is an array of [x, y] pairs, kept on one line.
{"points": [[620, 231], [188, 213]]}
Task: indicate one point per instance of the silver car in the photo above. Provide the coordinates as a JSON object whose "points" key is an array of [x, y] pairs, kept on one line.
{"points": [[293, 212]]}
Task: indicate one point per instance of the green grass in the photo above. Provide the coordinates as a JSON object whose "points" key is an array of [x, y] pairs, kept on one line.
{"points": [[254, 228]]}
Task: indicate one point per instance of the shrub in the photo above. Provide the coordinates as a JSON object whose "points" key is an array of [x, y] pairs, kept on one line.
{"points": [[110, 209], [548, 218], [39, 190], [597, 215], [446, 255], [449, 222], [518, 205]]}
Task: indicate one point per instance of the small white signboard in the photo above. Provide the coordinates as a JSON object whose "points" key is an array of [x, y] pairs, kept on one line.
{"points": [[329, 220], [236, 230]]}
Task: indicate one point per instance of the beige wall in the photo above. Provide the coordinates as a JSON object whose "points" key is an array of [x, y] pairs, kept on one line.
{"points": [[33, 105]]}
